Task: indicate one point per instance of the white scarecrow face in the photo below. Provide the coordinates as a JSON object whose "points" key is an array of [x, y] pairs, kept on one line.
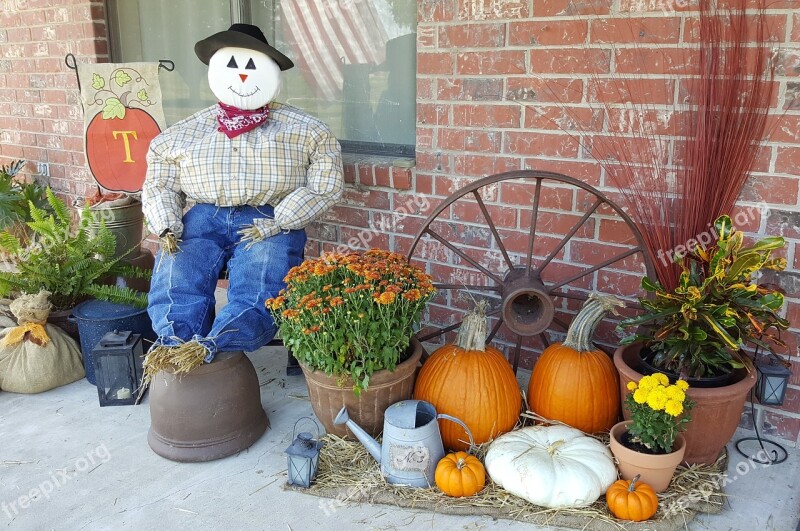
{"points": [[245, 79]]}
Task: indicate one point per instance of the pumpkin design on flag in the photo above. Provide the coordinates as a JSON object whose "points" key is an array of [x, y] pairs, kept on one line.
{"points": [[119, 134]]}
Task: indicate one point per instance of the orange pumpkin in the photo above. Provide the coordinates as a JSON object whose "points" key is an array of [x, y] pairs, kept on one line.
{"points": [[631, 500], [472, 382], [460, 474], [573, 381]]}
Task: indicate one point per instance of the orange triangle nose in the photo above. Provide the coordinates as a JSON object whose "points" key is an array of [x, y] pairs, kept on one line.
{"points": [[244, 77]]}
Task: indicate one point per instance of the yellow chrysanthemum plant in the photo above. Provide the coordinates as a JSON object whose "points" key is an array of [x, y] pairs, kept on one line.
{"points": [[659, 411], [351, 314]]}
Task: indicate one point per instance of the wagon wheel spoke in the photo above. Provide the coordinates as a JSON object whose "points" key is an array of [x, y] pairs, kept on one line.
{"points": [[561, 323], [492, 228], [545, 340], [573, 296], [570, 234], [517, 350], [495, 329], [534, 218], [441, 331], [463, 255], [592, 269]]}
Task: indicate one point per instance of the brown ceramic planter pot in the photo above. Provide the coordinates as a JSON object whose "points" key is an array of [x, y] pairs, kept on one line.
{"points": [[385, 388], [655, 470], [715, 415], [212, 412]]}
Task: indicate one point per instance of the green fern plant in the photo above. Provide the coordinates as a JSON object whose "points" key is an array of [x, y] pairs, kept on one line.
{"points": [[17, 195], [65, 260]]}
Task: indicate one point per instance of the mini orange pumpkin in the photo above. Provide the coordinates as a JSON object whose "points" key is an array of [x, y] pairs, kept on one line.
{"points": [[631, 500], [460, 474], [574, 382]]}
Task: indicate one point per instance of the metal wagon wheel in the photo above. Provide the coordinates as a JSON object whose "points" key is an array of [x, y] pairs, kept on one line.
{"points": [[526, 304]]}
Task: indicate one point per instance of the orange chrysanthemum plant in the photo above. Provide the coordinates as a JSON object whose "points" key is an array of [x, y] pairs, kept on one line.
{"points": [[350, 315]]}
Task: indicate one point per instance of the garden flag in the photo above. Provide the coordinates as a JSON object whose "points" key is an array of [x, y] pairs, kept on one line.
{"points": [[122, 114]]}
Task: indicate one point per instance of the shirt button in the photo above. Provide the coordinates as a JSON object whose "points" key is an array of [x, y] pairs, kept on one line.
{"points": [[235, 149]]}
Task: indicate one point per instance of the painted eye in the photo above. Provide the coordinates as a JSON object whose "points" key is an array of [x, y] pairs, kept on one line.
{"points": [[250, 65], [232, 63]]}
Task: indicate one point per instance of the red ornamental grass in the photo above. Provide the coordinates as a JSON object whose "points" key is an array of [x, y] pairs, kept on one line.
{"points": [[678, 168]]}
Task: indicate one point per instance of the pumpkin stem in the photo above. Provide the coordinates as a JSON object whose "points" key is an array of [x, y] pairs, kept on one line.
{"points": [[581, 330], [461, 463], [473, 331], [632, 487], [553, 447]]}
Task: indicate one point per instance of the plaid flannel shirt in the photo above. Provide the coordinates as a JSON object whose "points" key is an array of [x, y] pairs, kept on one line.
{"points": [[292, 162]]}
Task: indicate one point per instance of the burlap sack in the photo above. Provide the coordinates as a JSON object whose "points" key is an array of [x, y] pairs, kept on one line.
{"points": [[34, 356]]}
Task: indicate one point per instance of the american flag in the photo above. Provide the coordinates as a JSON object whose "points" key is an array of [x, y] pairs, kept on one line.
{"points": [[327, 34]]}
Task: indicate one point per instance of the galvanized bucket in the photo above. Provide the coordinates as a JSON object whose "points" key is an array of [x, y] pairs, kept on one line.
{"points": [[126, 222]]}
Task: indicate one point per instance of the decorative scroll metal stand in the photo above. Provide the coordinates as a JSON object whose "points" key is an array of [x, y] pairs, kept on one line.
{"points": [[72, 64]]}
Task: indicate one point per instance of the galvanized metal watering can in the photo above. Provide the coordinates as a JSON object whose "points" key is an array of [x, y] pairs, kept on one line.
{"points": [[412, 443]]}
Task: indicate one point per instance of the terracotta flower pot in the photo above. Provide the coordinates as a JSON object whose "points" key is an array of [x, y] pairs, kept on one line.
{"points": [[385, 388], [715, 415], [655, 469]]}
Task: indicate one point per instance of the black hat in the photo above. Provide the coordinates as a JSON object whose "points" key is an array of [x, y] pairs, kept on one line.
{"points": [[240, 36]]}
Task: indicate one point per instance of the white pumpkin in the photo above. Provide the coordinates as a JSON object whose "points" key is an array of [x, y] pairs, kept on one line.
{"points": [[551, 466]]}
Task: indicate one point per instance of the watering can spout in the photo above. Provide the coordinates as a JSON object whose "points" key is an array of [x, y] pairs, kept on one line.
{"points": [[369, 443]]}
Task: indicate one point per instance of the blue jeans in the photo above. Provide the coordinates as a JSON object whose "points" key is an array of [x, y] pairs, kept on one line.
{"points": [[181, 299]]}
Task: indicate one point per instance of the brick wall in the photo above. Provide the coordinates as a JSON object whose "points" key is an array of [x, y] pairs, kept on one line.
{"points": [[494, 80]]}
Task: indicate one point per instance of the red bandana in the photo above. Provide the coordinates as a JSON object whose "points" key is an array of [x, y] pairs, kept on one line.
{"points": [[233, 122]]}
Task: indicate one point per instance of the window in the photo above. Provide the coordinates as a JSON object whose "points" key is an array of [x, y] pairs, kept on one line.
{"points": [[355, 60]]}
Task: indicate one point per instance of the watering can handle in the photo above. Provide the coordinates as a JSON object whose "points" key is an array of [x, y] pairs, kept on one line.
{"points": [[457, 421]]}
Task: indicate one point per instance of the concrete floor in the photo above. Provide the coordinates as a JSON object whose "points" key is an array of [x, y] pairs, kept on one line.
{"points": [[94, 470]]}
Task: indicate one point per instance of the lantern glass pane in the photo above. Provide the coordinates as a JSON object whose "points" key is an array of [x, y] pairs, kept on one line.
{"points": [[774, 387], [300, 471], [116, 377]]}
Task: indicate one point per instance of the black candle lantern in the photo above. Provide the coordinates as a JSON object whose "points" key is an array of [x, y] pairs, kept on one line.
{"points": [[772, 383], [118, 368], [303, 457]]}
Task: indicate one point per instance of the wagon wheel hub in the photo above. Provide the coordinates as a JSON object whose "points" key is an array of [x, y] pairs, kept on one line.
{"points": [[526, 308]]}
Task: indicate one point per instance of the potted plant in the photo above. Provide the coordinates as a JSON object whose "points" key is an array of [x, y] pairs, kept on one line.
{"points": [[700, 329], [349, 319], [650, 445], [65, 260], [16, 196]]}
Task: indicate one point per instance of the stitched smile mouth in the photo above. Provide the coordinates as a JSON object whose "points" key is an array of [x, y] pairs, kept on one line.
{"points": [[243, 95]]}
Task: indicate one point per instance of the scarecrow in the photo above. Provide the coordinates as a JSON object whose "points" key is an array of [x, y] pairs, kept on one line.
{"points": [[257, 172]]}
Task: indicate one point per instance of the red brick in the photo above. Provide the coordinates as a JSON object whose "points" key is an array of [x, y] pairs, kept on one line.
{"points": [[435, 12], [425, 88], [588, 172], [796, 28], [770, 189], [355, 239], [434, 63], [656, 6], [784, 128], [654, 61], [640, 150], [642, 91], [548, 33], [570, 61], [558, 271], [426, 38], [469, 140], [616, 231], [560, 223], [436, 161], [492, 10], [33, 17], [482, 166], [366, 176], [522, 193], [653, 30], [425, 137], [491, 62], [470, 212], [549, 8], [788, 160], [528, 143], [568, 90], [424, 184], [348, 216], [372, 198], [433, 114], [462, 89], [382, 176], [401, 178], [563, 118], [472, 36], [486, 115]]}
